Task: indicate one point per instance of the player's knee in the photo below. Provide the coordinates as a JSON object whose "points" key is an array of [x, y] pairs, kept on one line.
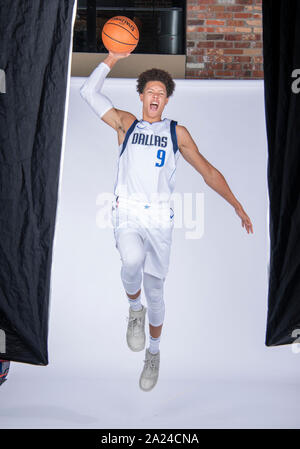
{"points": [[132, 283], [153, 288], [156, 310], [155, 298], [132, 262]]}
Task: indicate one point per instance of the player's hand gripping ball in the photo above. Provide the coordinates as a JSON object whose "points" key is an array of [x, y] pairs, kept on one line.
{"points": [[120, 35]]}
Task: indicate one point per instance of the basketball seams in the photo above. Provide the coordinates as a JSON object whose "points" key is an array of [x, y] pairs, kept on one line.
{"points": [[115, 39], [119, 42], [116, 24]]}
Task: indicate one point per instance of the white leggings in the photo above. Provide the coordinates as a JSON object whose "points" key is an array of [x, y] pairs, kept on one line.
{"points": [[131, 248]]}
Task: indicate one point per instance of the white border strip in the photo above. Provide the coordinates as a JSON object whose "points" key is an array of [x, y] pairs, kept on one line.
{"points": [[62, 151]]}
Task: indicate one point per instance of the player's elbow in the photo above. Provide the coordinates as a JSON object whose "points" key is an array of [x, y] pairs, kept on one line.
{"points": [[87, 93], [209, 174], [84, 92]]}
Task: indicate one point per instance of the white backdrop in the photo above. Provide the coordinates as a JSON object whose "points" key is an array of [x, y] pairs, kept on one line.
{"points": [[215, 368]]}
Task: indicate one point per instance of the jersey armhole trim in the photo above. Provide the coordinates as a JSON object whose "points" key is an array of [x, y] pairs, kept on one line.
{"points": [[129, 131], [173, 135]]}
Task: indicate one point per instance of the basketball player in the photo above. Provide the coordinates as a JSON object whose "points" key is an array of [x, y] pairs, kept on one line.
{"points": [[141, 213]]}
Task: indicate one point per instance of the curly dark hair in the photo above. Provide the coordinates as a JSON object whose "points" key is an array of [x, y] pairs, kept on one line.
{"points": [[155, 75]]}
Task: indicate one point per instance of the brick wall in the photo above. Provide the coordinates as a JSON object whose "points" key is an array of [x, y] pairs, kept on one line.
{"points": [[224, 39]]}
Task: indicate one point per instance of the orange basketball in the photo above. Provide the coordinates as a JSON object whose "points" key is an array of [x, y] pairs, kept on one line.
{"points": [[120, 34]]}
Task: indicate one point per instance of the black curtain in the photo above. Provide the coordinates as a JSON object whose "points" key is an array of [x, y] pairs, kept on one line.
{"points": [[281, 51], [35, 45]]}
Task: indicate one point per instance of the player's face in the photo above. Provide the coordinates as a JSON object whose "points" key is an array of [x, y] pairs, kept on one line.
{"points": [[154, 98]]}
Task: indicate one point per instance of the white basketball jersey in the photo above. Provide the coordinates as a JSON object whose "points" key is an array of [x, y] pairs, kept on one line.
{"points": [[147, 161]]}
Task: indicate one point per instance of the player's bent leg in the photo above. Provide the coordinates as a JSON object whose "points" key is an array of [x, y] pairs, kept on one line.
{"points": [[131, 249], [154, 291]]}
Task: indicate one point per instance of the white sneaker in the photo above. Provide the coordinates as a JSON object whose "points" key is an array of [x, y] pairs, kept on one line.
{"points": [[135, 336], [149, 376]]}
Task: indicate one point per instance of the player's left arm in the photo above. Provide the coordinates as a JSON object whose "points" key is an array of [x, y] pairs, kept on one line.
{"points": [[211, 175]]}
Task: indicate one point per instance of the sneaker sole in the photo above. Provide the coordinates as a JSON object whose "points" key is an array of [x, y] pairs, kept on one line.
{"points": [[143, 389], [137, 348]]}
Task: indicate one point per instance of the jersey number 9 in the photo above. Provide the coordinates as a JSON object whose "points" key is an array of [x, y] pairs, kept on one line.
{"points": [[161, 154]]}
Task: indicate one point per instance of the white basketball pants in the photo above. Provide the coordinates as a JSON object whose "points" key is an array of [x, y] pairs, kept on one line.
{"points": [[143, 234], [131, 248]]}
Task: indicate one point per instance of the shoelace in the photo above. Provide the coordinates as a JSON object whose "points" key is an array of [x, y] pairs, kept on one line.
{"points": [[152, 363], [133, 322]]}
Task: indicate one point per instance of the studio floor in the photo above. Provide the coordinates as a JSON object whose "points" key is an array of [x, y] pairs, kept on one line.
{"points": [[90, 402]]}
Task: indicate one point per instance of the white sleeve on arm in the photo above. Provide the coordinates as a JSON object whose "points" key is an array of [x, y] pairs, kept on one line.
{"points": [[91, 90]]}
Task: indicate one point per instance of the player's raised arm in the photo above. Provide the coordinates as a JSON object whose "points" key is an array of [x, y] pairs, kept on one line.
{"points": [[101, 104], [211, 175]]}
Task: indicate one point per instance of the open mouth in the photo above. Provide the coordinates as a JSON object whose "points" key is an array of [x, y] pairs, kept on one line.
{"points": [[154, 106]]}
